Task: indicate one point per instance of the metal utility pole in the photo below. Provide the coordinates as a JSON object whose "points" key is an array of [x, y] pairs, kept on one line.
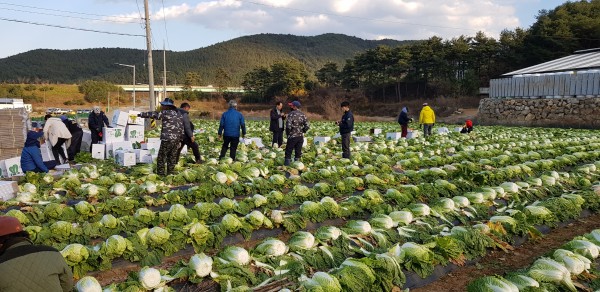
{"points": [[131, 66], [150, 64]]}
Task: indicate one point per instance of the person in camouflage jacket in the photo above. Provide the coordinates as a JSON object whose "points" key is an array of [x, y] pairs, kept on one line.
{"points": [[171, 135], [295, 127]]}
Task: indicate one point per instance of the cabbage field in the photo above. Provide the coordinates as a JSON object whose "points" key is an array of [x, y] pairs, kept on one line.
{"points": [[387, 218]]}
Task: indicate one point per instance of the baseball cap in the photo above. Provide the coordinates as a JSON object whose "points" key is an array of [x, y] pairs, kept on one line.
{"points": [[296, 103], [167, 101]]}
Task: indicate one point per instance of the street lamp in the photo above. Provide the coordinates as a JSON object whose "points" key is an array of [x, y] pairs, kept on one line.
{"points": [[131, 66]]}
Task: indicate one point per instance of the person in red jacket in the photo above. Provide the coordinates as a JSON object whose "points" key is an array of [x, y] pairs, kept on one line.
{"points": [[468, 127]]}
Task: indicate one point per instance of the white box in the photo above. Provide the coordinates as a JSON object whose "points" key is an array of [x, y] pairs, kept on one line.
{"points": [[393, 136], [458, 129], [3, 169], [321, 140], [153, 147], [443, 130], [119, 146], [133, 119], [46, 150], [376, 131], [12, 167], [124, 158], [8, 190], [120, 118], [134, 133], [98, 151], [111, 135], [62, 167], [86, 141], [362, 139], [412, 134], [139, 153], [153, 140], [146, 159]]}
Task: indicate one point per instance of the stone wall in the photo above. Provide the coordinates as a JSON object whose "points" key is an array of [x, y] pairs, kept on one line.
{"points": [[542, 112]]}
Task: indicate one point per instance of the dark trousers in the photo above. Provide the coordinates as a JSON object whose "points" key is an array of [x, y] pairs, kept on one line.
{"points": [[277, 137], [427, 129], [167, 154], [404, 130], [346, 145], [294, 144], [232, 144], [191, 145], [58, 150], [95, 137], [75, 144]]}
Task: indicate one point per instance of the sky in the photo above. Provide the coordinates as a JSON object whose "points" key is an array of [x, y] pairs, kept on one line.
{"points": [[183, 25]]}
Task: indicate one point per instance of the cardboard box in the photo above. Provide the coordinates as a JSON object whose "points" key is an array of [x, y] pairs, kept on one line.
{"points": [[146, 159], [375, 131], [321, 140], [133, 119], [362, 139], [139, 153], [11, 167], [8, 190], [393, 136], [47, 154], [119, 146], [124, 158], [3, 169], [153, 147], [134, 133], [153, 140], [99, 151], [63, 167], [111, 135], [412, 134], [86, 141], [120, 118]]}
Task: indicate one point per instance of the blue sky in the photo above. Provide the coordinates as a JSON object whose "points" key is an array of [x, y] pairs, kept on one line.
{"points": [[183, 25]]}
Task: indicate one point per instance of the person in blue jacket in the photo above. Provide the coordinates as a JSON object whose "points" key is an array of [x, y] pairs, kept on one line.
{"points": [[31, 156], [231, 123]]}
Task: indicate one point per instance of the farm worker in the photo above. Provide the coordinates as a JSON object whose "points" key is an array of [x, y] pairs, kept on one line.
{"points": [[276, 125], [96, 121], [28, 267], [403, 120], [77, 135], [229, 129], [171, 135], [188, 130], [346, 125], [296, 125], [57, 133], [468, 127], [427, 119], [31, 156]]}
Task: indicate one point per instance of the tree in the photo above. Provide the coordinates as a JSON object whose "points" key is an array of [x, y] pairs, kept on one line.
{"points": [[329, 75], [96, 91], [288, 78], [222, 80], [191, 79]]}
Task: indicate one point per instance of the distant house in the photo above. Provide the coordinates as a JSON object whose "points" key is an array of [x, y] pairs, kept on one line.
{"points": [[577, 75]]}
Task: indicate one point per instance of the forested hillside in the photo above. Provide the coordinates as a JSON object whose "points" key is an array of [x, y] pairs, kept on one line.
{"points": [[235, 57]]}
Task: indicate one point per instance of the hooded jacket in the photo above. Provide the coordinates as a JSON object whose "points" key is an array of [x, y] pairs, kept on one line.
{"points": [[427, 116], [31, 157], [28, 267], [97, 121], [403, 118], [54, 129]]}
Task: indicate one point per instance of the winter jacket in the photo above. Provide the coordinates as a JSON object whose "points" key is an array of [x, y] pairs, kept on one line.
{"points": [[427, 116], [403, 118], [28, 267], [296, 124], [275, 116], [188, 128], [231, 123], [73, 126], [347, 123], [172, 123], [54, 129], [31, 158], [97, 121]]}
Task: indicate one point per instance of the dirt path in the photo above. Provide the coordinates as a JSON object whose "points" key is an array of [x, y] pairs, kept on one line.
{"points": [[499, 262]]}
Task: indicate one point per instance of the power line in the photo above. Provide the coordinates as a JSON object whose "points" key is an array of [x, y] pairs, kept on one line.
{"points": [[165, 23], [69, 16], [69, 27], [65, 11], [355, 17]]}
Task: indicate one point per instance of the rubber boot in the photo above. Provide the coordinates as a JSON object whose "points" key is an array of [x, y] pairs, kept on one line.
{"points": [[287, 162]]}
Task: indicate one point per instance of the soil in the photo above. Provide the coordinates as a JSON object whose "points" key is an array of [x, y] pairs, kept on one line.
{"points": [[498, 262]]}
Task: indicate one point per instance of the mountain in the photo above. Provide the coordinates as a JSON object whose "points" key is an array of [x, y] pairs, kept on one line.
{"points": [[237, 57]]}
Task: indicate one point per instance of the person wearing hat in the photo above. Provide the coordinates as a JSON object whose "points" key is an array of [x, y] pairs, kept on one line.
{"points": [[76, 136], [57, 134], [188, 129], [346, 125], [28, 267], [296, 125], [96, 122], [403, 120], [427, 119], [31, 156], [276, 124], [171, 135], [229, 126]]}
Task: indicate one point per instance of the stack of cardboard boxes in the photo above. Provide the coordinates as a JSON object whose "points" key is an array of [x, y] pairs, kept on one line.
{"points": [[127, 128], [13, 130]]}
